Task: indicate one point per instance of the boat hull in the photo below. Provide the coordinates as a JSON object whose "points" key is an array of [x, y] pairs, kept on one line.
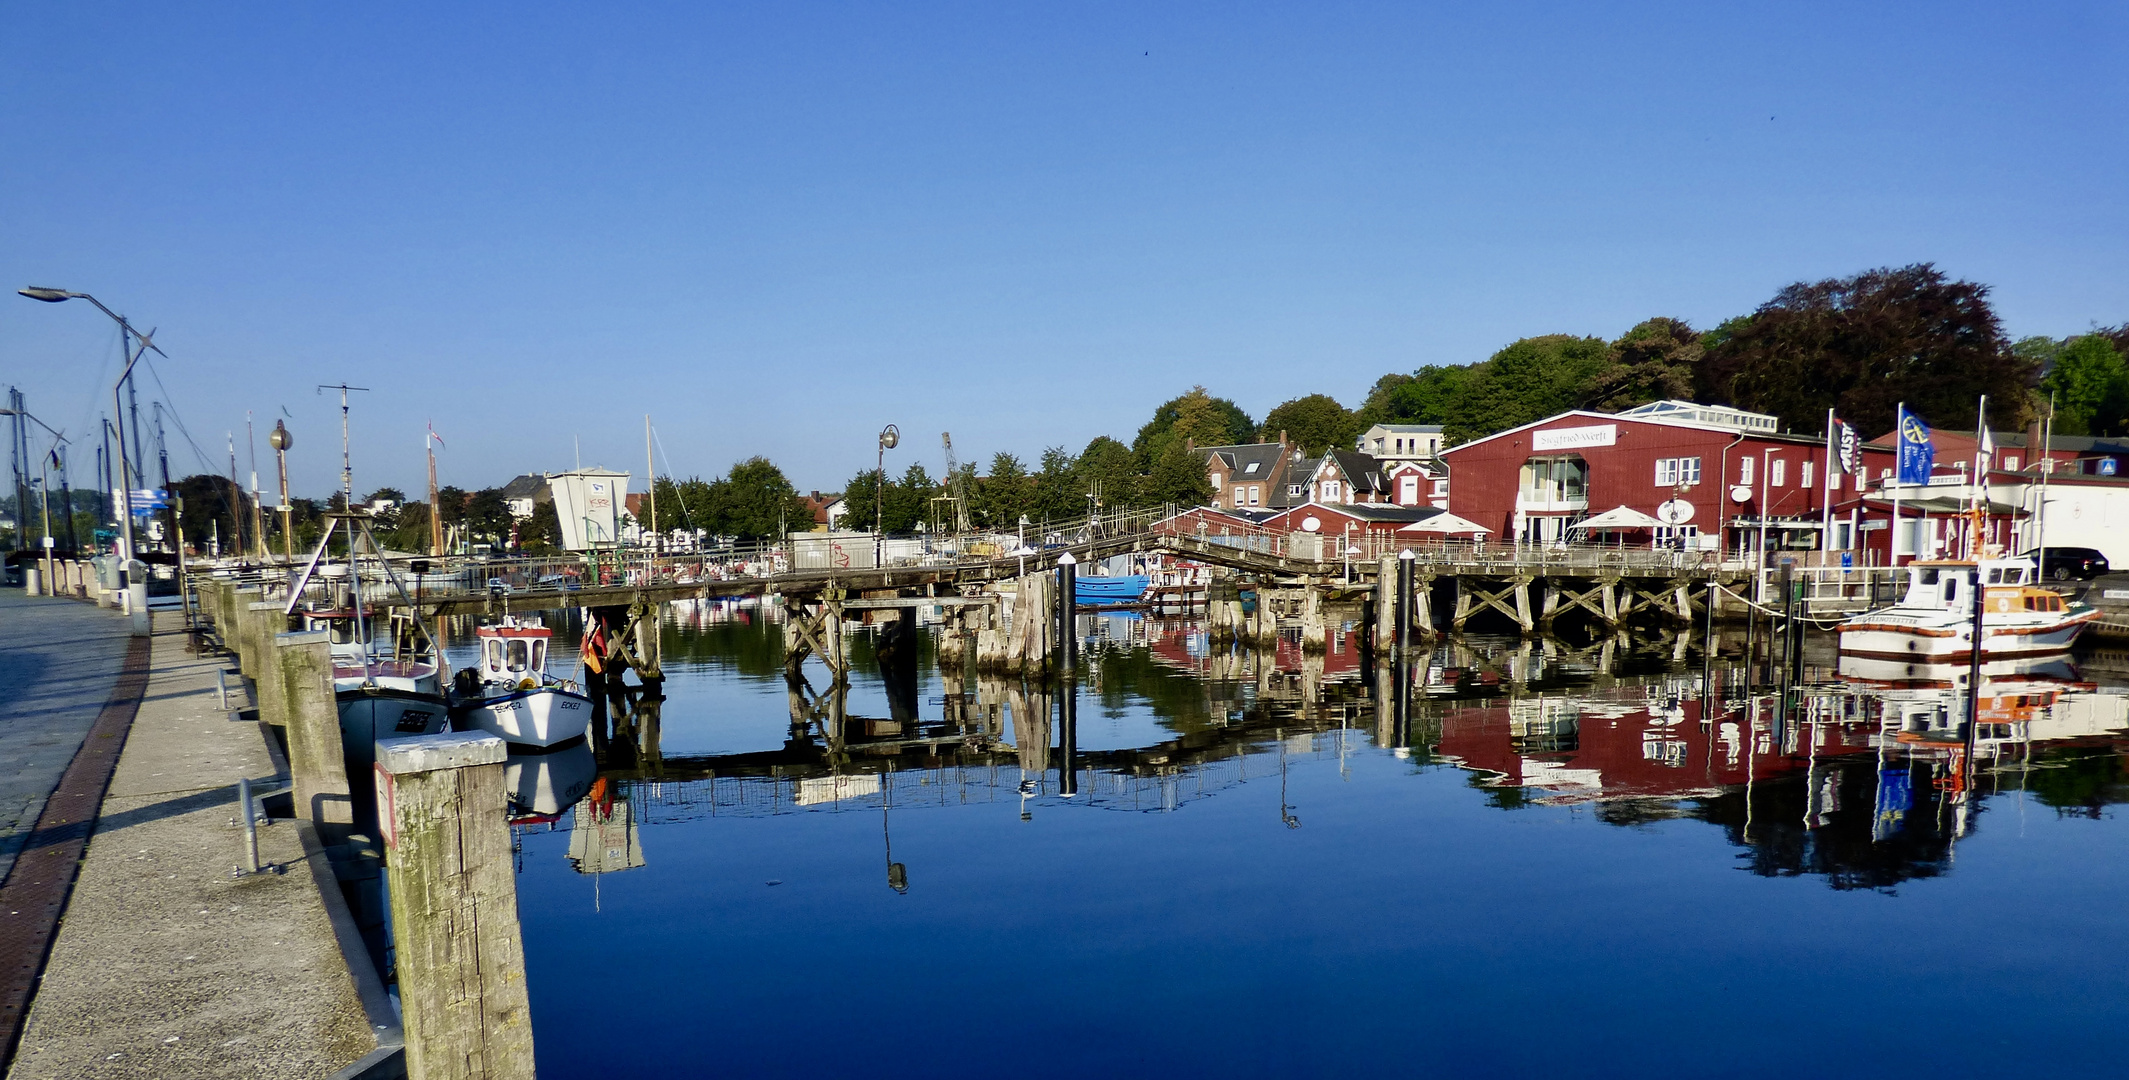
{"points": [[542, 716], [1889, 636], [370, 713]]}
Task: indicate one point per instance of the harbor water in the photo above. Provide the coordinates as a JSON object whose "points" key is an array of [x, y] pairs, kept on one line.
{"points": [[1618, 859]]}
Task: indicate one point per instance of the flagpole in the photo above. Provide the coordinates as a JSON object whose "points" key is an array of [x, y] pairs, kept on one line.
{"points": [[2047, 466], [1899, 453], [1976, 512], [1826, 497]]}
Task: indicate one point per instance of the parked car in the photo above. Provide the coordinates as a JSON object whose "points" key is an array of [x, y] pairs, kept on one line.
{"points": [[2065, 563]]}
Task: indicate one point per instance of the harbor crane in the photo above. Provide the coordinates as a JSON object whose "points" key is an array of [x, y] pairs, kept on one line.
{"points": [[956, 486]]}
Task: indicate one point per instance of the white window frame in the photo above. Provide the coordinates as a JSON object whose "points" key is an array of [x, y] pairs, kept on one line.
{"points": [[1327, 491], [1256, 495], [1777, 472], [1806, 468], [1666, 472], [1239, 489], [1744, 470]]}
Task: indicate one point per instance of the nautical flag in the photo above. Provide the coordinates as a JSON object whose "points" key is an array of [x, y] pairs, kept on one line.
{"points": [[1850, 447], [1918, 454], [1895, 796]]}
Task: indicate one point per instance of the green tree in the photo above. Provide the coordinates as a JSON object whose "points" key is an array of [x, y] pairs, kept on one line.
{"points": [[1178, 478], [908, 500], [755, 501], [1528, 381], [1058, 495], [410, 533], [858, 497], [1004, 495], [487, 516], [1427, 396], [451, 505], [1861, 345], [1315, 423], [1196, 417], [1109, 471], [540, 534], [1657, 360], [213, 506], [2090, 385]]}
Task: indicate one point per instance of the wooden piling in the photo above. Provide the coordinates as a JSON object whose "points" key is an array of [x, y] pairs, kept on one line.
{"points": [[461, 955], [1314, 636], [316, 761], [1385, 605]]}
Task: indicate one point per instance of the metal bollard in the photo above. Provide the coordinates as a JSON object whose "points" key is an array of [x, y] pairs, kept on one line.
{"points": [[221, 686], [247, 815]]}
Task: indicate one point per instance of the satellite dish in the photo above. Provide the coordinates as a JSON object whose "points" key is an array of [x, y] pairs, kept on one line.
{"points": [[1741, 493], [1310, 524]]}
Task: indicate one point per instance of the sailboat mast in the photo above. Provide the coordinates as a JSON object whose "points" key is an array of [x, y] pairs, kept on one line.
{"points": [[650, 469], [436, 520]]}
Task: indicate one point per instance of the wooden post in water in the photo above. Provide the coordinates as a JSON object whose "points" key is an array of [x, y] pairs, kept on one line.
{"points": [[1314, 637], [462, 991], [1385, 604], [318, 764]]}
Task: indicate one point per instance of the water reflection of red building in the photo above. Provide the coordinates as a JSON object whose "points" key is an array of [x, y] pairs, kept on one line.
{"points": [[1625, 744]]}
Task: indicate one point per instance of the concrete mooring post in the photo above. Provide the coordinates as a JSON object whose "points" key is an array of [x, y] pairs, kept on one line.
{"points": [[304, 666], [441, 800]]}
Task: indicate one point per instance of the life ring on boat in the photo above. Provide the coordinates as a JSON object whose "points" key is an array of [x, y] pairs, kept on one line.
{"points": [[528, 684], [2003, 603]]}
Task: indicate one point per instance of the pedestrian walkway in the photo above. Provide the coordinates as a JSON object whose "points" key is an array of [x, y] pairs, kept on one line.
{"points": [[168, 964], [58, 661]]}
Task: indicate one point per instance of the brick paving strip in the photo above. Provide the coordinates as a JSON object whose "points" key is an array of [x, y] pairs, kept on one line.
{"points": [[35, 893]]}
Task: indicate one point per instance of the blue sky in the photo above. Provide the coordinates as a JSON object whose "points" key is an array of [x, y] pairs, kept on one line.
{"points": [[775, 228]]}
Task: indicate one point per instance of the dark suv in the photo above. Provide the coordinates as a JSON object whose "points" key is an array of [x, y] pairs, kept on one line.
{"points": [[2064, 563]]}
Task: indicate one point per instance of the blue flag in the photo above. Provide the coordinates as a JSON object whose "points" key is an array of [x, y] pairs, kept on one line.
{"points": [[1918, 455], [1895, 796]]}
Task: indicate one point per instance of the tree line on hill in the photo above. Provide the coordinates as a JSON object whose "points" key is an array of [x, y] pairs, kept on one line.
{"points": [[1859, 345]]}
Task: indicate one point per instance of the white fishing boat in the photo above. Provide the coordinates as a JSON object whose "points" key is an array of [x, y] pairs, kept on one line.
{"points": [[1933, 623], [379, 695], [511, 695]]}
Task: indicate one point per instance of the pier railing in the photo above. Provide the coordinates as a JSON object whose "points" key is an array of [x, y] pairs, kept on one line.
{"points": [[1353, 554]]}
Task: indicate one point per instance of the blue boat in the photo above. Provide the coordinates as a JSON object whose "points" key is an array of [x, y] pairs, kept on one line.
{"points": [[1098, 591]]}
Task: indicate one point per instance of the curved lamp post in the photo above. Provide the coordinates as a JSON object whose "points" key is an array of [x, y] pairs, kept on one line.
{"points": [[890, 437], [136, 589], [281, 440]]}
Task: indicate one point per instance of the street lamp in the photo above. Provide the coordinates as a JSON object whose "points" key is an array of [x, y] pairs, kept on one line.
{"points": [[136, 590], [281, 440], [51, 457], [890, 437]]}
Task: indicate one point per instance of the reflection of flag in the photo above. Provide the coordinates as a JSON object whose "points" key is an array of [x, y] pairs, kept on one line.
{"points": [[1851, 448], [1918, 454], [1895, 795]]}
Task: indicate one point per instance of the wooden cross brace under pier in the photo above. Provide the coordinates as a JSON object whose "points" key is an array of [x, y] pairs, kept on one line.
{"points": [[1511, 599]]}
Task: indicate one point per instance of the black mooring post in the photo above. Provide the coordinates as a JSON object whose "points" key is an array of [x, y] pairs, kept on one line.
{"points": [[1067, 634], [1068, 737], [1788, 639], [1973, 665]]}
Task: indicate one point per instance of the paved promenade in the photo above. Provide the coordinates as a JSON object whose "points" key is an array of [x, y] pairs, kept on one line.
{"points": [[167, 964], [58, 662]]}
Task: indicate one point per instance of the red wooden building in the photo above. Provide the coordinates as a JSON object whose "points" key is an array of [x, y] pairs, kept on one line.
{"points": [[1711, 477]]}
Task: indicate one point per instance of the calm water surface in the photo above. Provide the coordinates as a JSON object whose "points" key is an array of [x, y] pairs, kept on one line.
{"points": [[1537, 865]]}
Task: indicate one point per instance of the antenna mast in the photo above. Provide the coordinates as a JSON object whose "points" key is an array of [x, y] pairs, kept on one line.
{"points": [[347, 471]]}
